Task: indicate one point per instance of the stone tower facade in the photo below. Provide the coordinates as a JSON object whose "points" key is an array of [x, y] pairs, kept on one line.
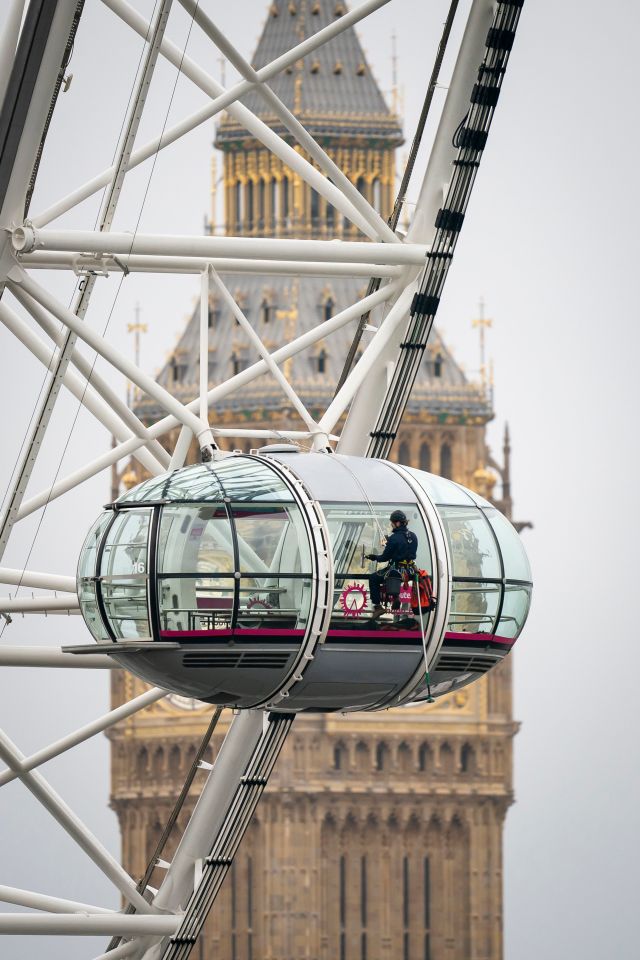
{"points": [[380, 835]]}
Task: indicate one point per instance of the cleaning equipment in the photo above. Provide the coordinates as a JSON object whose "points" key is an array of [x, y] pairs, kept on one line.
{"points": [[430, 698]]}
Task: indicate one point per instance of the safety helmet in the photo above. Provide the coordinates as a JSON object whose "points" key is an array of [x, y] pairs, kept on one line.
{"points": [[398, 517]]}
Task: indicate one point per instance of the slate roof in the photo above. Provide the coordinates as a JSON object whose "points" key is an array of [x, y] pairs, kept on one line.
{"points": [[296, 306], [332, 90]]}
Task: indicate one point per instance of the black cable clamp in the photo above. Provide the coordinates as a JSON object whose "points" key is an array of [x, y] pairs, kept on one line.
{"points": [[472, 139], [484, 95], [412, 346], [424, 303], [463, 163], [382, 435], [451, 220], [498, 39]]}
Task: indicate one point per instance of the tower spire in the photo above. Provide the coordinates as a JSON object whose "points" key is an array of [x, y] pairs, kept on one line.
{"points": [[482, 323]]}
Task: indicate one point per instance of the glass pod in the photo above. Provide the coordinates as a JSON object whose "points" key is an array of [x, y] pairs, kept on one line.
{"points": [[245, 582]]}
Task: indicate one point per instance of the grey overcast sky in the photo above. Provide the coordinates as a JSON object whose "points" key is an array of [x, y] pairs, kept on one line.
{"points": [[550, 242]]}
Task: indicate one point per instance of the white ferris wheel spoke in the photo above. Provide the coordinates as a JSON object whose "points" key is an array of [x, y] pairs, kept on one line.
{"points": [[39, 901], [274, 369], [222, 99], [215, 395], [85, 733], [23, 655], [21, 284], [28, 238], [83, 262], [72, 824], [92, 391], [30, 578]]}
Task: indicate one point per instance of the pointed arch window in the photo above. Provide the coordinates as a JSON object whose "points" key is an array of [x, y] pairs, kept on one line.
{"points": [[376, 193], [250, 204], [445, 461], [266, 310], [425, 758], [361, 186], [437, 365], [425, 457], [262, 188], [327, 308], [315, 207], [404, 455], [382, 756], [330, 218], [322, 361], [239, 204], [285, 201], [237, 364], [275, 213], [467, 759]]}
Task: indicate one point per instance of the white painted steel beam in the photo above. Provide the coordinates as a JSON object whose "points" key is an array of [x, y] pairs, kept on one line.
{"points": [[9, 42], [126, 449], [28, 239], [382, 230], [240, 380], [48, 260], [24, 656], [272, 366], [42, 581], [20, 282], [87, 926], [40, 901], [363, 369], [14, 201], [204, 345], [51, 801], [158, 456], [76, 386], [49, 395], [85, 733], [223, 99], [41, 604], [181, 449], [208, 815], [126, 949]]}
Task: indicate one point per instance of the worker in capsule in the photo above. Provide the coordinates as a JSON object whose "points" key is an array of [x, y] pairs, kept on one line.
{"points": [[401, 548]]}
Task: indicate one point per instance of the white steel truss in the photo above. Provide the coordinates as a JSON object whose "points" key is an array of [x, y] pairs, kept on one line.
{"points": [[159, 923]]}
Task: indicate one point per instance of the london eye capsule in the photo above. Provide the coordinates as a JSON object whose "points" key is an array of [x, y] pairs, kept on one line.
{"points": [[244, 582]]}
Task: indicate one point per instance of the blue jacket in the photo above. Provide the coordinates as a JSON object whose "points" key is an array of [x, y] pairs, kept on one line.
{"points": [[402, 544]]}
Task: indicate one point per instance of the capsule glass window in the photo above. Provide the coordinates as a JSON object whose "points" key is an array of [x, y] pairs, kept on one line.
{"points": [[516, 564], [196, 567], [474, 607], [474, 551], [355, 530], [86, 583], [515, 608], [124, 577]]}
